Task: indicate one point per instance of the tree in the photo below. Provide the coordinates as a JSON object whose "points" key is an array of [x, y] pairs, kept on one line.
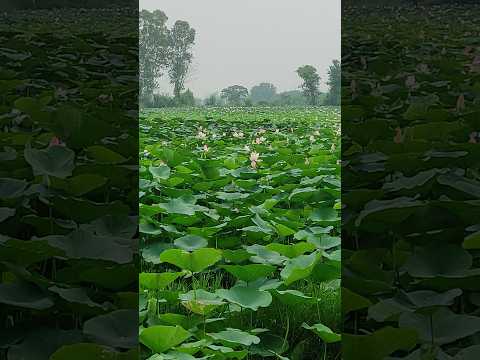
{"points": [[235, 95], [291, 98], [153, 50], [311, 81], [212, 100], [187, 98], [334, 83], [182, 38], [264, 92]]}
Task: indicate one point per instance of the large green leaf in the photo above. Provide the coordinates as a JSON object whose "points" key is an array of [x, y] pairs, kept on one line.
{"points": [[57, 161], [246, 297], [195, 261], [299, 268], [324, 332], [235, 336], [160, 338], [249, 272]]}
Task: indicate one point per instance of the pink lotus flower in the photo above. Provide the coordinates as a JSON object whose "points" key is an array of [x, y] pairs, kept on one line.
{"points": [[205, 148], [473, 137], [259, 140], [475, 65], [411, 82], [353, 88], [467, 50], [55, 141], [104, 99], [423, 68], [399, 137], [254, 159], [363, 61], [461, 103]]}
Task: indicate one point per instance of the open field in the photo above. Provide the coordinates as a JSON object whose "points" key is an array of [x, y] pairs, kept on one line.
{"points": [[239, 221]]}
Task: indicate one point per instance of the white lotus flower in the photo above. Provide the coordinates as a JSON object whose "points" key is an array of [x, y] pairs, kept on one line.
{"points": [[201, 135], [259, 140], [238, 135]]}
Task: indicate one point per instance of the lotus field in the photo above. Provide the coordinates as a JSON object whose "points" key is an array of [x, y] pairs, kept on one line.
{"points": [[239, 222]]}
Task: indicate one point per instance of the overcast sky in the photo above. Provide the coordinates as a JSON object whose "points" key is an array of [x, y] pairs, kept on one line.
{"points": [[251, 41]]}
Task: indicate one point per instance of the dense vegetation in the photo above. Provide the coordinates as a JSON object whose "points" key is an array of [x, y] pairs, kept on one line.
{"points": [[68, 185], [411, 184], [239, 222], [62, 4]]}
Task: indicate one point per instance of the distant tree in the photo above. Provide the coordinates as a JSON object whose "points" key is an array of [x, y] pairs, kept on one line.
{"points": [[212, 100], [160, 101], [263, 93], [311, 81], [153, 51], [334, 83], [291, 98], [235, 95], [182, 38], [186, 98]]}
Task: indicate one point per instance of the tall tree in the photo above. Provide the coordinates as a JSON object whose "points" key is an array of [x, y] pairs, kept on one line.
{"points": [[235, 95], [334, 83], [264, 92], [153, 50], [182, 39], [311, 81]]}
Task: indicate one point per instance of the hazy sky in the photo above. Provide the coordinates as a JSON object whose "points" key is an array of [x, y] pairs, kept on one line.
{"points": [[251, 41]]}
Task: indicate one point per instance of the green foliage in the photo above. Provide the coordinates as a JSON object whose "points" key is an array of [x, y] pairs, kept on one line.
{"points": [[411, 185], [153, 51], [334, 83], [164, 50], [181, 40], [235, 95], [240, 251], [68, 184], [264, 93], [311, 81]]}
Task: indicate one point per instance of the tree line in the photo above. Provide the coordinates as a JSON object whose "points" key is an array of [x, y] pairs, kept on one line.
{"points": [[165, 51], [266, 93]]}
